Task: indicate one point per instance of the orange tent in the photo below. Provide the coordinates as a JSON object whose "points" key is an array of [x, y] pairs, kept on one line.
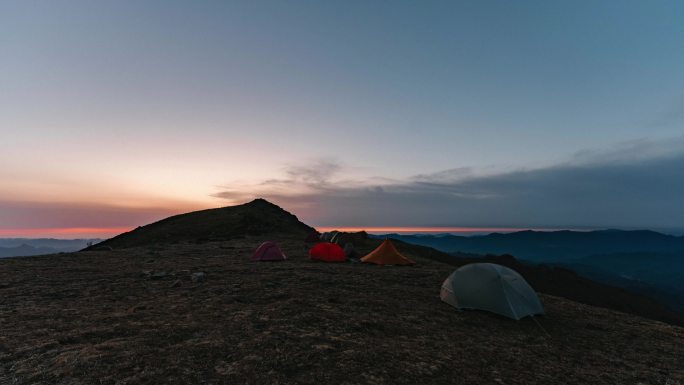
{"points": [[386, 254]]}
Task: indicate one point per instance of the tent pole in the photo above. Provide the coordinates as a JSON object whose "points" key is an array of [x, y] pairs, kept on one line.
{"points": [[541, 327]]}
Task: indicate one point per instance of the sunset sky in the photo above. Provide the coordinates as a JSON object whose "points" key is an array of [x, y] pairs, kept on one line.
{"points": [[487, 114]]}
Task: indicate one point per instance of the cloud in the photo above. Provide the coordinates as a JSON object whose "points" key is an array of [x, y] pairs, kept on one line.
{"points": [[318, 173], [630, 151], [451, 174], [317, 176], [635, 184]]}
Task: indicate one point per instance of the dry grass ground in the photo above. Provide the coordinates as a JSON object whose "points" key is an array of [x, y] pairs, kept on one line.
{"points": [[94, 318]]}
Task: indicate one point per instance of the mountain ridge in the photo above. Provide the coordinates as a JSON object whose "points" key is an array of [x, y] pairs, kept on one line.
{"points": [[535, 245], [257, 217]]}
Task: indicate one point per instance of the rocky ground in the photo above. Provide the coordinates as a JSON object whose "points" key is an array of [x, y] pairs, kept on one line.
{"points": [[135, 316]]}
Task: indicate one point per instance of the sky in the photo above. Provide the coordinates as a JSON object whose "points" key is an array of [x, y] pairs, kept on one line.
{"points": [[487, 114]]}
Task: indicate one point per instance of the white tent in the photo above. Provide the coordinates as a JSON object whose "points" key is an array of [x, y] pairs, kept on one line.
{"points": [[491, 287]]}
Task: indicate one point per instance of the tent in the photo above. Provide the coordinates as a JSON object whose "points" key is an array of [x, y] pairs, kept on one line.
{"points": [[313, 237], [343, 238], [491, 287], [386, 254], [268, 251], [327, 252], [328, 235], [350, 251]]}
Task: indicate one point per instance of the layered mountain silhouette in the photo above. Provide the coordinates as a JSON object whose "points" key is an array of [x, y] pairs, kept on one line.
{"points": [[546, 246], [644, 262], [258, 217], [23, 247], [25, 250]]}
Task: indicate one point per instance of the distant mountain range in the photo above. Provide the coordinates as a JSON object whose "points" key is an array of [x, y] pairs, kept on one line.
{"points": [[25, 247], [642, 261], [542, 246]]}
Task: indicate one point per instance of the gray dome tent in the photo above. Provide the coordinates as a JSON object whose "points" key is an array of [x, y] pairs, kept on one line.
{"points": [[328, 236], [491, 287]]}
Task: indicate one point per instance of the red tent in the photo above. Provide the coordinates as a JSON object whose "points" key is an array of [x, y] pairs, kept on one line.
{"points": [[327, 252], [268, 251]]}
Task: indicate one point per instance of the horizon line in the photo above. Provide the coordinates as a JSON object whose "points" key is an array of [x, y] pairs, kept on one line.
{"points": [[441, 229], [108, 232], [61, 232]]}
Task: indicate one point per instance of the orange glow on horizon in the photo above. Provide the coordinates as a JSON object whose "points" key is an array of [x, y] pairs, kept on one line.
{"points": [[399, 229], [66, 232]]}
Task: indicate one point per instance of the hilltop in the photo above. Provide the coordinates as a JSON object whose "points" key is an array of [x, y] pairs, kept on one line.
{"points": [[258, 217], [133, 315]]}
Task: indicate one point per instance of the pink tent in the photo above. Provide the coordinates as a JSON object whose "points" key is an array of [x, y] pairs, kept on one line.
{"points": [[268, 251]]}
